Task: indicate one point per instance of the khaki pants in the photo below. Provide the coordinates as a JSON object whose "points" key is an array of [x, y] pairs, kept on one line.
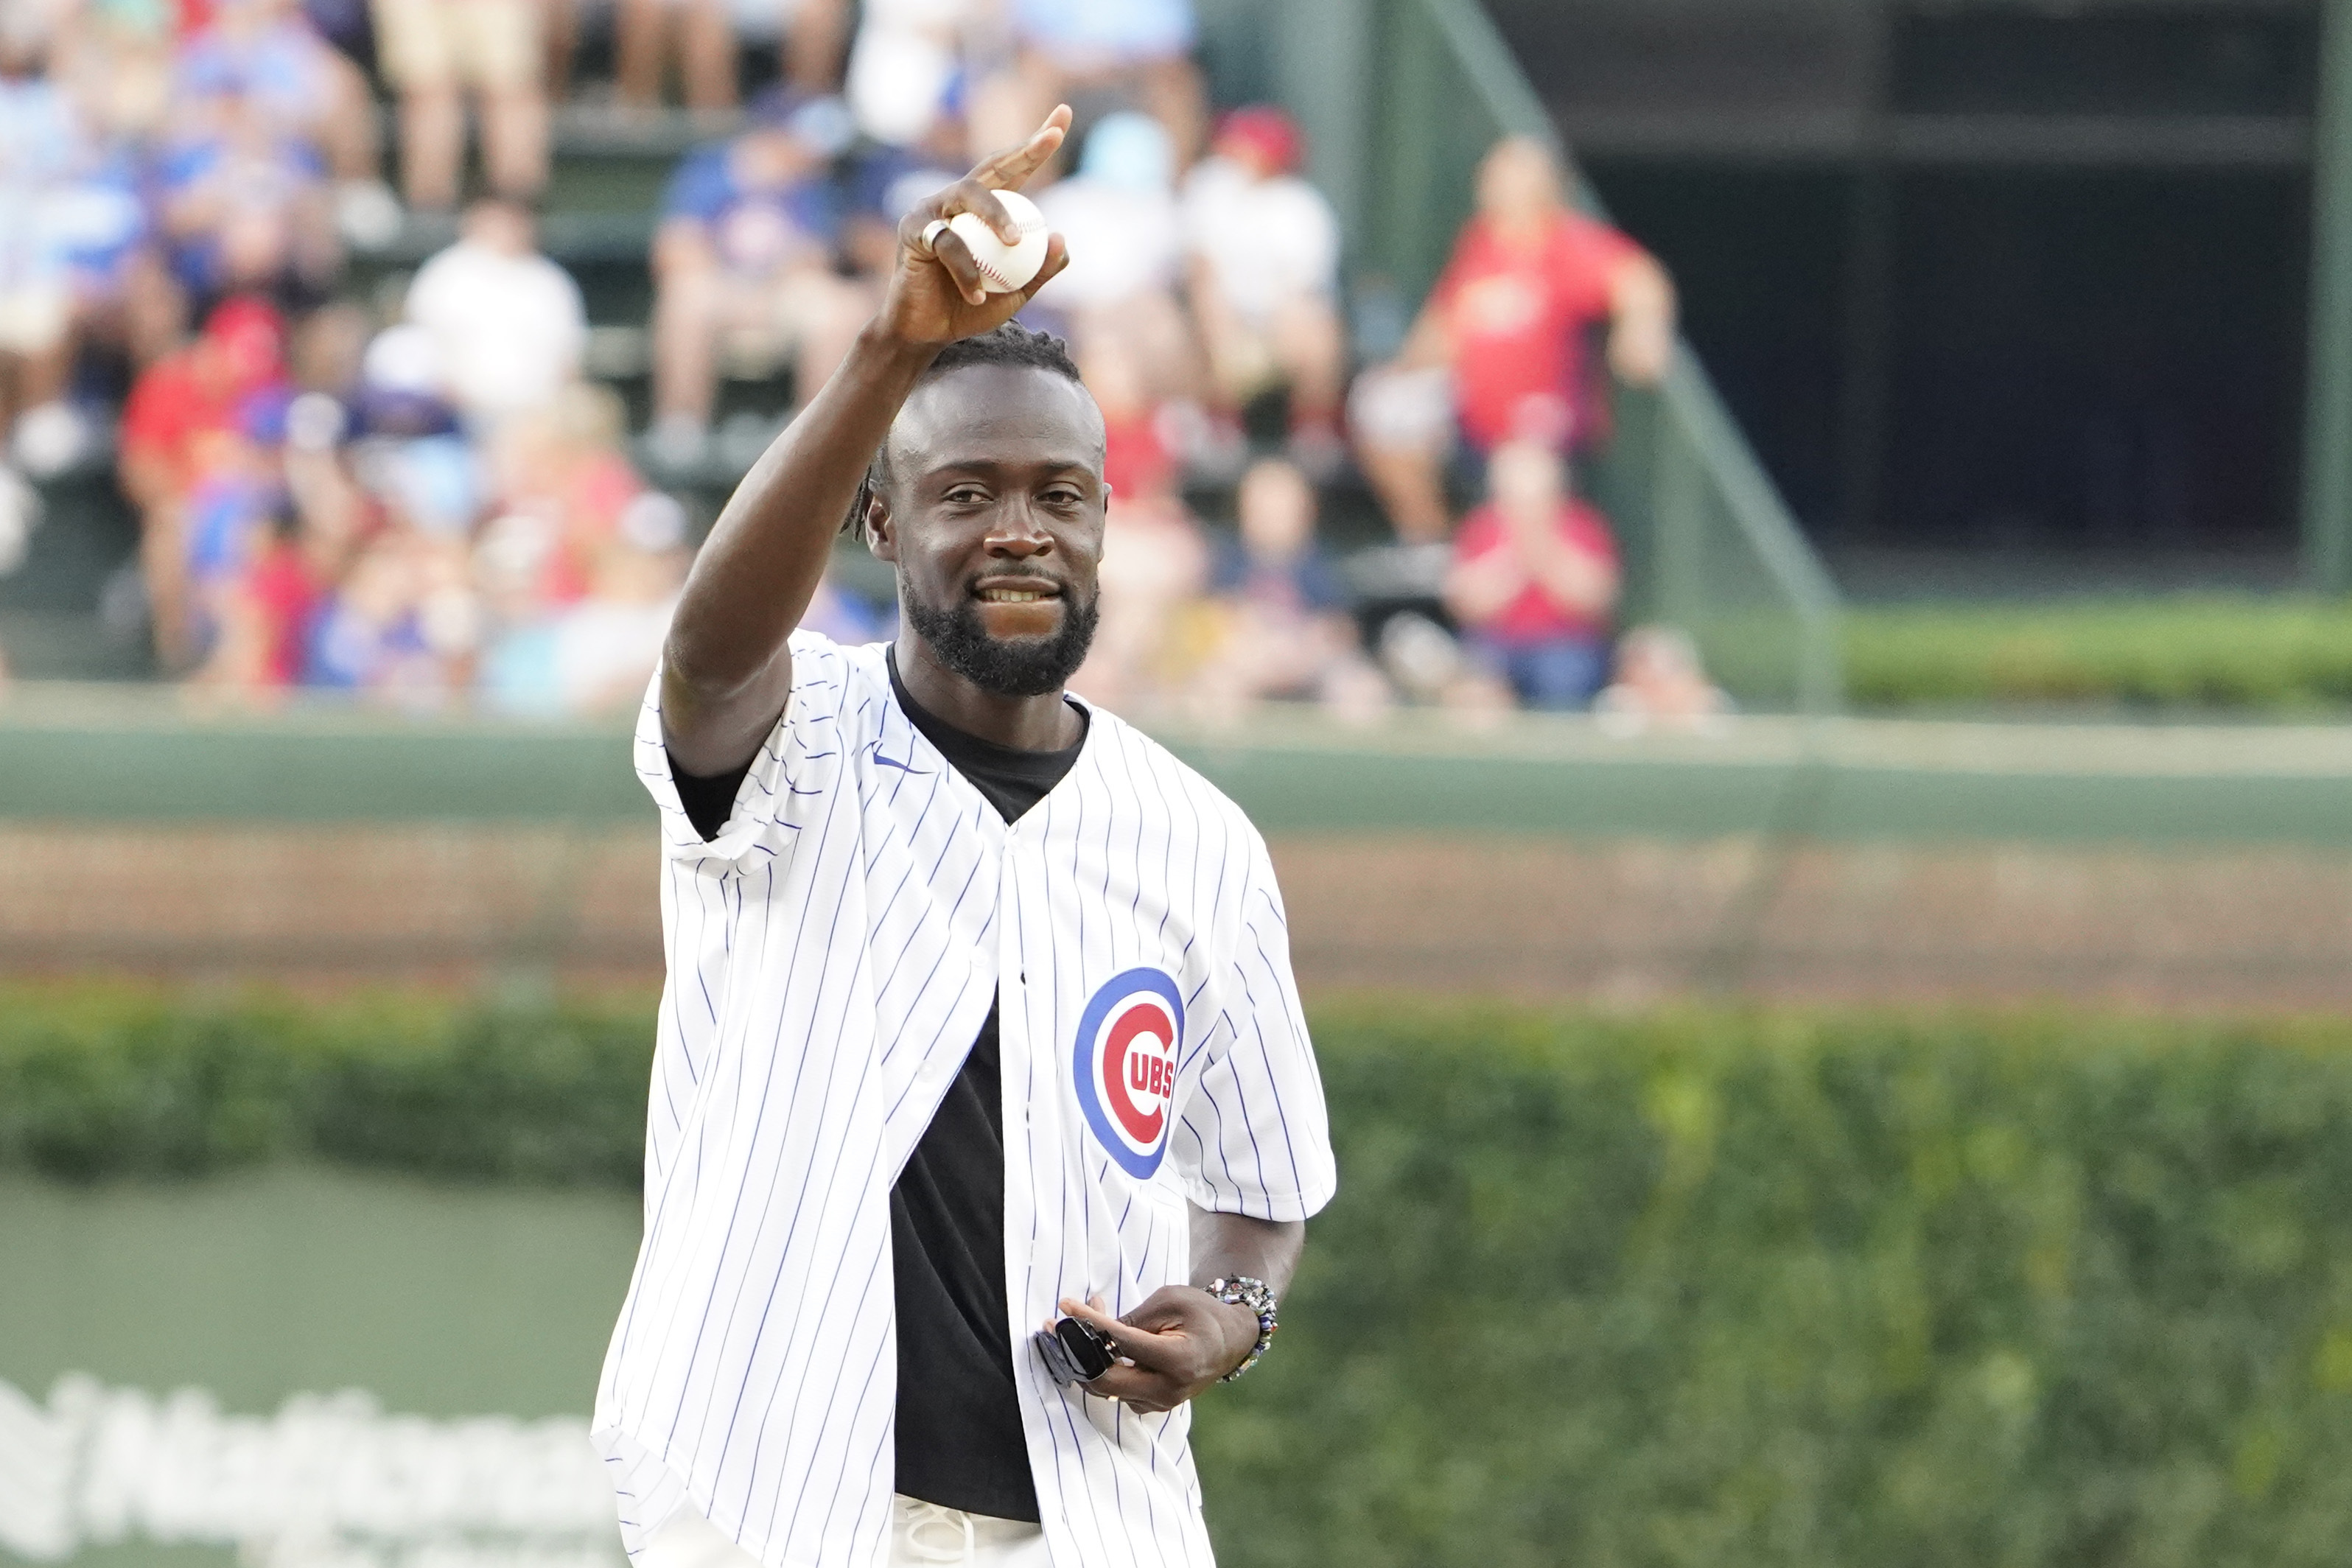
{"points": [[438, 45]]}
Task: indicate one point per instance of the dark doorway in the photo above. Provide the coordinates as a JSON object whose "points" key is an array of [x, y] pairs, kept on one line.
{"points": [[2094, 362], [1992, 285]]}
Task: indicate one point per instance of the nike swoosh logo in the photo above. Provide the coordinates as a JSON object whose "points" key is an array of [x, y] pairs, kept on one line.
{"points": [[902, 767]]}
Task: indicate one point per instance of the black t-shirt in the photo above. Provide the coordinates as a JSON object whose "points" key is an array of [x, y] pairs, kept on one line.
{"points": [[959, 1438]]}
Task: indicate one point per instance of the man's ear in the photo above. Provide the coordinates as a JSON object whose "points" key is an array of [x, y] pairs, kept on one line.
{"points": [[880, 539]]}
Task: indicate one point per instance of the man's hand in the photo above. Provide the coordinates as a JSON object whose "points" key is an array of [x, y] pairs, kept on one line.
{"points": [[936, 295], [1178, 1342]]}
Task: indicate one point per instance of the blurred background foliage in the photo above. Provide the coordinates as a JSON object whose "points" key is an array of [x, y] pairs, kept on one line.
{"points": [[1676, 1287], [1788, 1290], [100, 1081], [2278, 655]]}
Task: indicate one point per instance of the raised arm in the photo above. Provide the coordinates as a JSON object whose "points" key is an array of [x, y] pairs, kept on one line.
{"points": [[1641, 321], [726, 673]]}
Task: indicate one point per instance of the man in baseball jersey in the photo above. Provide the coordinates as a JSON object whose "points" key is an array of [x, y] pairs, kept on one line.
{"points": [[980, 1014]]}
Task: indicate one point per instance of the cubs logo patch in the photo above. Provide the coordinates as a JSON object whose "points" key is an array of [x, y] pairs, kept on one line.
{"points": [[1125, 1064]]}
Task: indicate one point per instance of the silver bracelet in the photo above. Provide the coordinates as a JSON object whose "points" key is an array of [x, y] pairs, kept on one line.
{"points": [[1241, 1290]]}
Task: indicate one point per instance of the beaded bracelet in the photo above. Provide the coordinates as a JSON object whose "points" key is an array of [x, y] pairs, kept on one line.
{"points": [[1241, 1290]]}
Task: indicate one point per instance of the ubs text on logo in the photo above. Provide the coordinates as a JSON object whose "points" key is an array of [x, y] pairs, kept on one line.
{"points": [[1125, 1064]]}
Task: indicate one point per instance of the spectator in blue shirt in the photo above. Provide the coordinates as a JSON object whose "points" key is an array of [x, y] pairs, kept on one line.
{"points": [[1137, 52], [246, 208], [73, 222], [706, 37], [41, 146], [268, 53], [1286, 631], [744, 268], [885, 182], [1099, 35]]}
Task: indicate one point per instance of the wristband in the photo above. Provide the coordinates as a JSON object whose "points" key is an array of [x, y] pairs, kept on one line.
{"points": [[1241, 1290]]}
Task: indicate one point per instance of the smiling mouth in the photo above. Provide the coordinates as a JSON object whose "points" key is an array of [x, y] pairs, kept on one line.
{"points": [[1017, 596]]}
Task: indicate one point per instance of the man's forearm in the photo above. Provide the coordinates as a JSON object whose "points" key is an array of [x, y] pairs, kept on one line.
{"points": [[1641, 333], [1225, 1245], [1428, 344], [725, 679], [1484, 588], [1576, 581], [773, 537]]}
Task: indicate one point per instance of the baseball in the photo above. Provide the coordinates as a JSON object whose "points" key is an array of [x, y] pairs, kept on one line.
{"points": [[1004, 268]]}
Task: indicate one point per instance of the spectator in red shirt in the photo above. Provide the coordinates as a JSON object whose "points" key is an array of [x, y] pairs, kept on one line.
{"points": [[175, 407], [262, 611], [1533, 580], [1498, 352], [196, 390]]}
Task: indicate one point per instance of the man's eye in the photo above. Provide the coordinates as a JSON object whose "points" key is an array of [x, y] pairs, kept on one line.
{"points": [[1063, 495], [966, 494]]}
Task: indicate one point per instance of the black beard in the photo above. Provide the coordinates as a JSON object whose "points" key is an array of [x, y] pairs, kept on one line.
{"points": [[1025, 669]]}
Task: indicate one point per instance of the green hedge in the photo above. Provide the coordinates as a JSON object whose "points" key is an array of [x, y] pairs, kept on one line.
{"points": [[1758, 1289], [2281, 655], [98, 1082], [1720, 1288]]}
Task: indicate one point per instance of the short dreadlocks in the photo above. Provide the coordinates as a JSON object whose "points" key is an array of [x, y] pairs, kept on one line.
{"points": [[1010, 344]]}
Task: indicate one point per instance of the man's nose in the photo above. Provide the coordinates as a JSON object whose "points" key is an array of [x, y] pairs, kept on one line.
{"points": [[1018, 534]]}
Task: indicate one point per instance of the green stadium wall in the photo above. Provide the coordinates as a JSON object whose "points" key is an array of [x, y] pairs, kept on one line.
{"points": [[1845, 859]]}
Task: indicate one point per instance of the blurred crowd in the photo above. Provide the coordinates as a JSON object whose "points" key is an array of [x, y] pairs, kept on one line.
{"points": [[412, 489]]}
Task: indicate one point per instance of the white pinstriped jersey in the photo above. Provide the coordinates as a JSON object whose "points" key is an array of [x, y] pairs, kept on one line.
{"points": [[833, 952]]}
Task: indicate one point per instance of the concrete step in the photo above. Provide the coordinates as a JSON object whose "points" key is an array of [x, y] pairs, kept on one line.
{"points": [[57, 644], [86, 535]]}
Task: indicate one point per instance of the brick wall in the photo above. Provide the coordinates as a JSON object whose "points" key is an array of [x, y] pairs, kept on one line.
{"points": [[1627, 920]]}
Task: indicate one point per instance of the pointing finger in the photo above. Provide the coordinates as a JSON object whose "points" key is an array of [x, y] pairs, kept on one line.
{"points": [[1010, 169]]}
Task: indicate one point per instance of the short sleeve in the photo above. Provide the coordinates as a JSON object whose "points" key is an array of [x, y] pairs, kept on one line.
{"points": [[147, 420], [796, 767], [814, 210], [1587, 262], [428, 299], [182, 166], [566, 303], [1313, 233], [1584, 528], [1254, 1138], [698, 187]]}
